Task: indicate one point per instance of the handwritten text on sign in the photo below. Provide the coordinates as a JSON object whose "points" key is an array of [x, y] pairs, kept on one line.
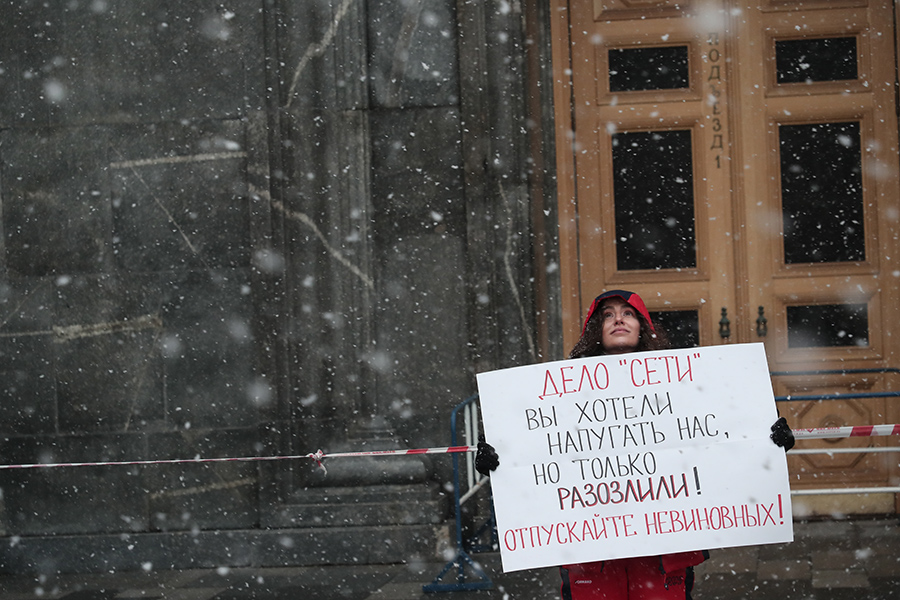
{"points": [[635, 455]]}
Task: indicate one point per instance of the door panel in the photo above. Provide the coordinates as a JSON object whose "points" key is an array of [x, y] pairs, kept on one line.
{"points": [[646, 93], [735, 163]]}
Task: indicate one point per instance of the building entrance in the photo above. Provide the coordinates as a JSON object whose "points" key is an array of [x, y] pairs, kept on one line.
{"points": [[735, 163]]}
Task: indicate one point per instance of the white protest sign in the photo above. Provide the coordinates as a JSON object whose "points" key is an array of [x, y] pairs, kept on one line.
{"points": [[636, 454]]}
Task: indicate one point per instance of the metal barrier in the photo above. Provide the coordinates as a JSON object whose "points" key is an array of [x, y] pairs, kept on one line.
{"points": [[836, 395], [855, 490], [840, 396], [474, 482]]}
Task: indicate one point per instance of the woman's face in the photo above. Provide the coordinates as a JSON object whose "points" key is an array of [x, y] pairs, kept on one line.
{"points": [[621, 328]]}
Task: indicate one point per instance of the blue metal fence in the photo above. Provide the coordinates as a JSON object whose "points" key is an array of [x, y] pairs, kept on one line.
{"points": [[469, 575]]}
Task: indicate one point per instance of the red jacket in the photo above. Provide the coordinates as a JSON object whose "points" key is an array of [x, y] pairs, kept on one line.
{"points": [[667, 577]]}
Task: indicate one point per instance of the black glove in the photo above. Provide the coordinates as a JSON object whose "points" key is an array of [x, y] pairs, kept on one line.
{"points": [[486, 459], [782, 434]]}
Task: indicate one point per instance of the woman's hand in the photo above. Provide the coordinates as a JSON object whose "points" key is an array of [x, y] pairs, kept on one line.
{"points": [[486, 459], [782, 434]]}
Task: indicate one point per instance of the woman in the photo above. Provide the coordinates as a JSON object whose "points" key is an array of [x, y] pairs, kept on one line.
{"points": [[619, 322]]}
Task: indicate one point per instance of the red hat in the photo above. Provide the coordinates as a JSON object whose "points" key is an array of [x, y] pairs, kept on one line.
{"points": [[631, 298]]}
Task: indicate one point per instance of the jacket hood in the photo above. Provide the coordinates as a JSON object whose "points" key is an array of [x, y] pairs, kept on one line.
{"points": [[631, 298]]}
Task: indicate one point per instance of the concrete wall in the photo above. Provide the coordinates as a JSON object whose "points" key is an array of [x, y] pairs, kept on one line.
{"points": [[262, 228]]}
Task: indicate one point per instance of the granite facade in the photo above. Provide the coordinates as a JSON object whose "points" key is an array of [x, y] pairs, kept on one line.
{"points": [[258, 229]]}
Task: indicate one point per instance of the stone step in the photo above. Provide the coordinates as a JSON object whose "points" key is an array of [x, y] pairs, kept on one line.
{"points": [[355, 545], [357, 515], [362, 494], [213, 549], [362, 506]]}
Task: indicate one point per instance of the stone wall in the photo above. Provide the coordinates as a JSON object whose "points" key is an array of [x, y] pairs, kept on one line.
{"points": [[260, 228]]}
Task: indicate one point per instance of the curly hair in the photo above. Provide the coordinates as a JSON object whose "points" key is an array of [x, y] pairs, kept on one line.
{"points": [[591, 341]]}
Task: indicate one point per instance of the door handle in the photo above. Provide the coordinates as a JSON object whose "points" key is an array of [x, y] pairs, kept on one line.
{"points": [[724, 325], [762, 323]]}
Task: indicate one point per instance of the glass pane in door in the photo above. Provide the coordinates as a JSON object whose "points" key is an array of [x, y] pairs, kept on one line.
{"points": [[653, 185], [821, 193], [828, 325], [652, 68], [682, 326], [810, 61]]}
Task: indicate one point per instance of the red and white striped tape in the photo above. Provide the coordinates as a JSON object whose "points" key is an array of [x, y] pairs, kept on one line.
{"points": [[846, 432], [319, 456], [316, 456]]}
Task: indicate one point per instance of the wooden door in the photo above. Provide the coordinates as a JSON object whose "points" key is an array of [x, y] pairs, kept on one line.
{"points": [[735, 163]]}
